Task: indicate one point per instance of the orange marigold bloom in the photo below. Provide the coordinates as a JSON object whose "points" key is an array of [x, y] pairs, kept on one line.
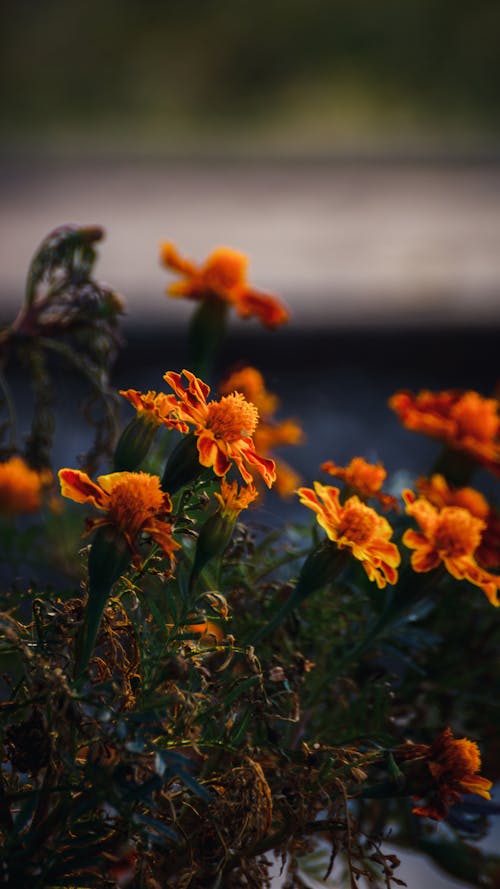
{"points": [[270, 433], [233, 501], [223, 277], [224, 428], [154, 406], [133, 503], [437, 490], [365, 478], [21, 487], [448, 536], [466, 421], [355, 526], [454, 764]]}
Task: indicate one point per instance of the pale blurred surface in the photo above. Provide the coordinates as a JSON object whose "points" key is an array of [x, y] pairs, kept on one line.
{"points": [[342, 242]]}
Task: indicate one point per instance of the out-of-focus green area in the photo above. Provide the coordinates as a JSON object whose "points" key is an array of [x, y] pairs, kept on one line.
{"points": [[322, 72]]}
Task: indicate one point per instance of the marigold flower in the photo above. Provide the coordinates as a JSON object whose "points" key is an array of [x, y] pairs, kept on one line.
{"points": [[448, 536], [223, 277], [466, 421], [154, 407], [437, 490], [21, 487], [365, 478], [133, 503], [223, 428], [355, 526], [270, 433], [454, 764], [233, 500]]}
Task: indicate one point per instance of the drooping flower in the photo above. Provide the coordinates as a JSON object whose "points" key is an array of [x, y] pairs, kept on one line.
{"points": [[449, 536], [454, 765], [366, 479], [224, 429], [465, 421], [437, 490], [223, 277], [357, 527], [270, 433], [21, 487], [133, 503]]}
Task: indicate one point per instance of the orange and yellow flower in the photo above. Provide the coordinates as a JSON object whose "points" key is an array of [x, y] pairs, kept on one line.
{"points": [[437, 490], [449, 536], [366, 479], [21, 487], [224, 429], [465, 421], [223, 277], [357, 527], [454, 765], [233, 500], [133, 503], [270, 433], [155, 407]]}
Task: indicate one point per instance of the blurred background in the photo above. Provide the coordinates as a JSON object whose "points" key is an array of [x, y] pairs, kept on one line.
{"points": [[351, 148]]}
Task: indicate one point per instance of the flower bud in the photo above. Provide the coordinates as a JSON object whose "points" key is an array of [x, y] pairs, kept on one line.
{"points": [[213, 539], [183, 465], [134, 443], [109, 557]]}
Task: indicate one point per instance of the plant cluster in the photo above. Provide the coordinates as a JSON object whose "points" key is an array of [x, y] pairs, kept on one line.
{"points": [[188, 700]]}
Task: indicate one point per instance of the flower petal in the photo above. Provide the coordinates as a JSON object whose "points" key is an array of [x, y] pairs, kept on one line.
{"points": [[78, 486]]}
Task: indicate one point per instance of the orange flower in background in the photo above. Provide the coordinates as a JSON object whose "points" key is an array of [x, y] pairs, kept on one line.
{"points": [[223, 277], [270, 433], [133, 503], [357, 527], [437, 490], [154, 407], [449, 536], [454, 765], [365, 478], [466, 421], [250, 381], [21, 487], [224, 428]]}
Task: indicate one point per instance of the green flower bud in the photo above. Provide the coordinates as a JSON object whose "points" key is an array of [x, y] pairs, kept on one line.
{"points": [[183, 465], [134, 443]]}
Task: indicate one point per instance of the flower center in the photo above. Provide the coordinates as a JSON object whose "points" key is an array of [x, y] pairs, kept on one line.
{"points": [[457, 532], [232, 418], [356, 523], [134, 500]]}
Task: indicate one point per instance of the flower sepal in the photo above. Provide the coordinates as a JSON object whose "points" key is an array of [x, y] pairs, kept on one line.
{"points": [[109, 557], [183, 465], [134, 444], [213, 539]]}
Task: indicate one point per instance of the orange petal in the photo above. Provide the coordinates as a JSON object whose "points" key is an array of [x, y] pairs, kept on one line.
{"points": [[267, 308], [78, 486]]}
